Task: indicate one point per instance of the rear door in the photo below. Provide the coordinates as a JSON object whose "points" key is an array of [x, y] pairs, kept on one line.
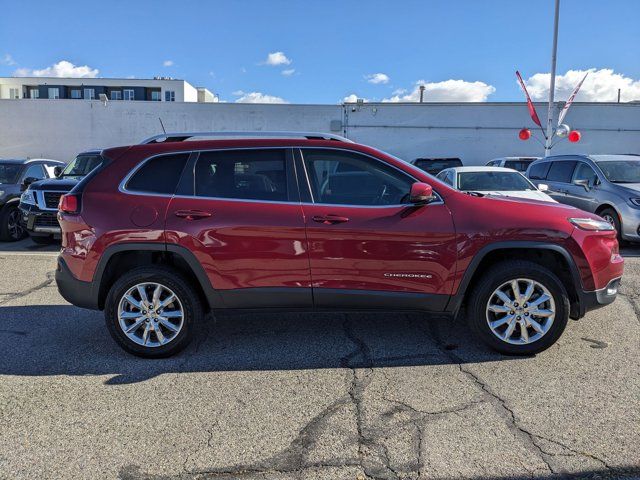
{"points": [[368, 247], [559, 179], [238, 211]]}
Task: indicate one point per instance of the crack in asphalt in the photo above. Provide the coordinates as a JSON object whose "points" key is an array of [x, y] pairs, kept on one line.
{"points": [[12, 296], [632, 299]]}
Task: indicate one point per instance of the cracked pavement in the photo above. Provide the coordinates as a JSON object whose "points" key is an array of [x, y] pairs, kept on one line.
{"points": [[324, 396]]}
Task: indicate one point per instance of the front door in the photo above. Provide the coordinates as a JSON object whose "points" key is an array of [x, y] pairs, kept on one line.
{"points": [[243, 221], [368, 247], [581, 196]]}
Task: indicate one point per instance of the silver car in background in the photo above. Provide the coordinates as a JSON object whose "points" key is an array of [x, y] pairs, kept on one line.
{"points": [[607, 185]]}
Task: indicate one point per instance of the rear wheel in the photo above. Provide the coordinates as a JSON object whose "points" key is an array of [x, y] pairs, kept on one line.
{"points": [[150, 312], [519, 308], [611, 216], [10, 228]]}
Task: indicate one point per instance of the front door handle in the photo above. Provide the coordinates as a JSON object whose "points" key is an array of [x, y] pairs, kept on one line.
{"points": [[192, 214], [330, 219]]}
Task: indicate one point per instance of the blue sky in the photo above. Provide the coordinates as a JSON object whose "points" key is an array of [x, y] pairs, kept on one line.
{"points": [[332, 46]]}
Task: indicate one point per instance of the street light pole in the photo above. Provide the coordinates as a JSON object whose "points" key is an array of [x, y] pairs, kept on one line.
{"points": [[552, 86]]}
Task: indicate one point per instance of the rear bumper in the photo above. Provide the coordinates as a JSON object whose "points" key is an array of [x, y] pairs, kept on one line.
{"points": [[599, 298], [79, 293]]}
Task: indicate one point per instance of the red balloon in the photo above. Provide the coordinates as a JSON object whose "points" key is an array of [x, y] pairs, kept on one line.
{"points": [[524, 134], [574, 136]]}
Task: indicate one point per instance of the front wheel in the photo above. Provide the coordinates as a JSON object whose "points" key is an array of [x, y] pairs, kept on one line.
{"points": [[519, 308], [11, 230], [150, 312]]}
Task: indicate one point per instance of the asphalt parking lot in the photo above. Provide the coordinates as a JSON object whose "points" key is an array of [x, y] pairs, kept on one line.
{"points": [[310, 396]]}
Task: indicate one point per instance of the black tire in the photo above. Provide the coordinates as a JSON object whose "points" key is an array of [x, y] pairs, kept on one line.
{"points": [[500, 274], [611, 216], [10, 228], [187, 296], [43, 239]]}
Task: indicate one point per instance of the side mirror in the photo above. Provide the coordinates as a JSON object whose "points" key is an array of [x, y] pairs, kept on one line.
{"points": [[57, 171], [28, 181], [584, 183], [421, 193], [543, 187]]}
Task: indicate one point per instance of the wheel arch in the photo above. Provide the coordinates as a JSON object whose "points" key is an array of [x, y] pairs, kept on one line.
{"points": [[117, 258], [548, 255]]}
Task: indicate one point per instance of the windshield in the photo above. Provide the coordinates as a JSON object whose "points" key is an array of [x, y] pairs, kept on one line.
{"points": [[493, 181], [81, 166], [621, 171], [9, 172]]}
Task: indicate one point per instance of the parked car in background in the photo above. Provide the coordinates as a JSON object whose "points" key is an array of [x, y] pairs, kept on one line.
{"points": [[165, 231], [492, 181], [607, 185], [517, 163], [39, 202], [16, 176], [433, 166]]}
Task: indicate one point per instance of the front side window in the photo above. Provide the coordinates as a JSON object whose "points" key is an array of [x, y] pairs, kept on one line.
{"points": [[585, 172], [159, 174], [116, 95], [75, 93], [34, 171], [129, 94], [242, 175], [81, 166], [347, 178], [54, 93], [561, 171], [169, 96], [89, 94]]}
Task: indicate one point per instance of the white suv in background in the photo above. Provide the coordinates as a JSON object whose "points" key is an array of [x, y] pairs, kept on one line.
{"points": [[517, 163]]}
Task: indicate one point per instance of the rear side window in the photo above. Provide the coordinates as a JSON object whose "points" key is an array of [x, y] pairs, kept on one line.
{"points": [[519, 165], [242, 175], [561, 172], [159, 174], [539, 171]]}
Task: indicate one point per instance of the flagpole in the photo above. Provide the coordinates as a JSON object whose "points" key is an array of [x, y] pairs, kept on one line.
{"points": [[552, 86]]}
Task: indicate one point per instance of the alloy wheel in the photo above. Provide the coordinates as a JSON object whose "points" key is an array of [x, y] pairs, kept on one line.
{"points": [[16, 231], [520, 311], [150, 314]]}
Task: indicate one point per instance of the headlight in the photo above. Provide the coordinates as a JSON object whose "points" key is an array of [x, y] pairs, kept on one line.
{"points": [[28, 197], [591, 224], [635, 201]]}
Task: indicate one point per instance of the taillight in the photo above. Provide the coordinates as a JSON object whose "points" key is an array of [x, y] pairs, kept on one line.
{"points": [[69, 203]]}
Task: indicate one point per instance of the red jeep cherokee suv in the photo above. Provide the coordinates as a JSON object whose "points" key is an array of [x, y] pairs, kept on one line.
{"points": [[165, 231]]}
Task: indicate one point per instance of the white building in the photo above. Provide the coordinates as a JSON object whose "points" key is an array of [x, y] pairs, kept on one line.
{"points": [[159, 89]]}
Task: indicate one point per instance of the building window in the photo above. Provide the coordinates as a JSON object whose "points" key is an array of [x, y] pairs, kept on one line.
{"points": [[169, 96], [129, 94], [34, 93], [75, 93], [14, 93], [54, 93], [116, 95], [89, 94], [155, 96]]}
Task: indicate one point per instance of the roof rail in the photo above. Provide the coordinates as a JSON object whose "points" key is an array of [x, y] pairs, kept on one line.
{"points": [[182, 136]]}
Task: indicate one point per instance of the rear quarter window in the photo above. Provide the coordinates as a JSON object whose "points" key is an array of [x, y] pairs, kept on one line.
{"points": [[539, 171], [159, 174]]}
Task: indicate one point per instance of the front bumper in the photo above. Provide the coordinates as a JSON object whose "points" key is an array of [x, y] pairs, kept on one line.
{"points": [[39, 222], [79, 293], [599, 298]]}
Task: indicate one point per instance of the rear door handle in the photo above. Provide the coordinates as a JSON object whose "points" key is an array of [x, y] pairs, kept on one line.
{"points": [[330, 219], [192, 214]]}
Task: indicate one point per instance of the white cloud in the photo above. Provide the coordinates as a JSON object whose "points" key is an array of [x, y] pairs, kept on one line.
{"points": [[61, 69], [276, 58], [600, 86], [8, 60], [353, 98], [288, 72], [446, 91], [257, 97], [167, 63], [377, 78]]}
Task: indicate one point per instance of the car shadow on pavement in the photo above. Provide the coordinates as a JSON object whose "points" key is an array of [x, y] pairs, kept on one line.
{"points": [[66, 340]]}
